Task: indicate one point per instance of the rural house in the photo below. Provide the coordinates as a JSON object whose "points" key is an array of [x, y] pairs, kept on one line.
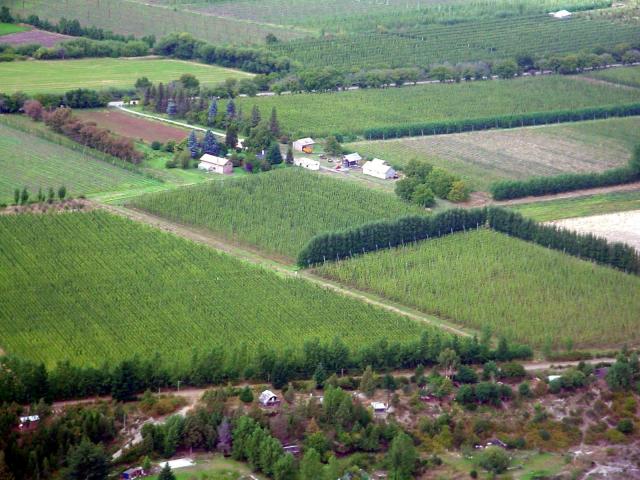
{"points": [[211, 163], [307, 163], [351, 160], [379, 407], [379, 169], [268, 399], [304, 145]]}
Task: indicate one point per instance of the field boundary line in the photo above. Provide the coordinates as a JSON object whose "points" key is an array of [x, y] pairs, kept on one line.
{"points": [[276, 265]]}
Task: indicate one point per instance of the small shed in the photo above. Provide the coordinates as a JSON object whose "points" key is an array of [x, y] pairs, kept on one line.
{"points": [[211, 163], [551, 378], [379, 407], [28, 421], [268, 399], [351, 160], [379, 169], [293, 449], [132, 473], [304, 145], [561, 14], [307, 163]]}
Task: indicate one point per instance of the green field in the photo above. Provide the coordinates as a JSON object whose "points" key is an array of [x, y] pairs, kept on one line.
{"points": [[486, 39], [57, 76], [629, 76], [522, 291], [94, 287], [279, 211], [580, 206], [354, 111], [7, 28], [488, 156], [27, 160]]}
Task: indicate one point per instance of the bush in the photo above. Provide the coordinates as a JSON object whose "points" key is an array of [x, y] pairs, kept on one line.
{"points": [[494, 460], [156, 145], [246, 395], [512, 370], [625, 426]]}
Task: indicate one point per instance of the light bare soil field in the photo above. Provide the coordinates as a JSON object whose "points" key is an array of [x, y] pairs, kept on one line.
{"points": [[46, 39], [137, 128], [488, 156], [617, 227]]}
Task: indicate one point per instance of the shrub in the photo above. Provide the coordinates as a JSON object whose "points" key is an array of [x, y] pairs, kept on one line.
{"points": [[246, 395], [625, 426], [494, 460], [156, 145]]}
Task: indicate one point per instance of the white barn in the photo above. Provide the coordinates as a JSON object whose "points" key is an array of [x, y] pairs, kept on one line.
{"points": [[379, 169], [351, 160], [304, 145], [307, 163], [268, 399], [211, 163]]}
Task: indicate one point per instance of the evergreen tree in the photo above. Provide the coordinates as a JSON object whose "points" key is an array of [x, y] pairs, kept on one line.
{"points": [[62, 192], [320, 375], [172, 110], [224, 436], [255, 116], [289, 158], [88, 462], [160, 100], [231, 110], [367, 382], [192, 144], [402, 457], [285, 468], [274, 126], [310, 465], [231, 139], [246, 395], [24, 196], [213, 111], [166, 473], [274, 156], [209, 144], [16, 196]]}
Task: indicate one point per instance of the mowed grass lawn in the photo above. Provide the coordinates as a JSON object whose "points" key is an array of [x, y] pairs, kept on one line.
{"points": [[321, 114], [488, 156], [7, 28], [520, 290], [277, 211], [29, 161], [94, 288], [629, 76], [57, 76]]}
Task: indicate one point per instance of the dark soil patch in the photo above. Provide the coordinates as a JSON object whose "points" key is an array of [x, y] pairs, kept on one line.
{"points": [[41, 37]]}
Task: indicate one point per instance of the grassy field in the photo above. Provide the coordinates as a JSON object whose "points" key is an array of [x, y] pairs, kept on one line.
{"points": [[473, 279], [215, 468], [55, 76], [580, 206], [277, 212], [629, 76], [151, 18], [26, 160], [94, 287], [7, 28], [354, 111], [485, 157]]}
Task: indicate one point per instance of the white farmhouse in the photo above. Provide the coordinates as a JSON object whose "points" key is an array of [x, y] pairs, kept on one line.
{"points": [[211, 163], [379, 169], [307, 163]]}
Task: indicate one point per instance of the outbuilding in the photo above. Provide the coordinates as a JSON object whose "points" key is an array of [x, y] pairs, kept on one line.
{"points": [[132, 473], [304, 145], [379, 169], [268, 399], [307, 163], [561, 14], [28, 421], [211, 163], [379, 407], [351, 160]]}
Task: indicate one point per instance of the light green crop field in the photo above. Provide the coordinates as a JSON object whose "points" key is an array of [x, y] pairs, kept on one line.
{"points": [[580, 206], [488, 156], [27, 160], [57, 76], [93, 288], [278, 211], [7, 28], [629, 76], [475, 278], [321, 114]]}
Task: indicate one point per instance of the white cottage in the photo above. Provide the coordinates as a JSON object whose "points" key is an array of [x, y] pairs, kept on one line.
{"points": [[379, 169], [211, 163]]}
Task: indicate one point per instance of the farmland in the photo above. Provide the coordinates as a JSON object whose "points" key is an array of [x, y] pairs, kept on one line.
{"points": [[154, 292], [46, 164], [8, 28], [52, 76], [629, 76], [616, 227], [33, 36], [488, 156], [354, 111], [580, 206], [475, 277], [278, 212]]}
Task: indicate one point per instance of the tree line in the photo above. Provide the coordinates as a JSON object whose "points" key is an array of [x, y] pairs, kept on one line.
{"points": [[536, 186]]}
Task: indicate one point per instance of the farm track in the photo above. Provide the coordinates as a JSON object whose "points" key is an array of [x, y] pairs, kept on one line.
{"points": [[279, 265]]}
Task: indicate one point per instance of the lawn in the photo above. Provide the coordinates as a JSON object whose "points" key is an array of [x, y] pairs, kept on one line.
{"points": [[7, 28], [94, 288], [278, 211], [56, 76], [473, 278], [599, 204], [214, 468], [354, 111], [629, 76], [31, 161], [488, 156]]}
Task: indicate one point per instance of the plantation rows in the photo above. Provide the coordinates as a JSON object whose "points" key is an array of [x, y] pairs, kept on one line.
{"points": [[485, 39], [95, 288], [474, 277], [279, 211], [622, 76]]}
